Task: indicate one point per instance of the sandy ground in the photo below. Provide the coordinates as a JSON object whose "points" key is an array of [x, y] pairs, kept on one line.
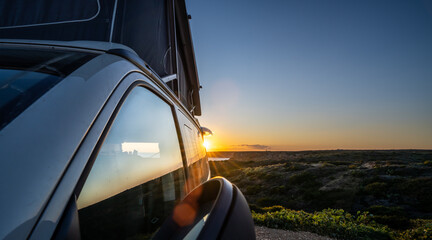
{"points": [[263, 233]]}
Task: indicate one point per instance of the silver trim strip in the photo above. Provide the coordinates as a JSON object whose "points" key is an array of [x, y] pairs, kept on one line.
{"points": [[169, 78], [113, 20]]}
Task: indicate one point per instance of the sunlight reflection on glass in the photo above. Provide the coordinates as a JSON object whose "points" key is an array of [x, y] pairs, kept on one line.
{"points": [[143, 149]]}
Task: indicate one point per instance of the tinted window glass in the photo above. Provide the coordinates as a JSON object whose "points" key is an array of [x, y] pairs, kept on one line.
{"points": [[26, 74], [196, 156], [138, 177]]}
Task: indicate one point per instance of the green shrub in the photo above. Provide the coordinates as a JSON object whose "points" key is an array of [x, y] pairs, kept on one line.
{"points": [[330, 222], [252, 190], [337, 198], [377, 189], [384, 210], [358, 173], [341, 163], [303, 178], [326, 164], [255, 208], [270, 177], [275, 208], [419, 188], [422, 232], [416, 223], [395, 222], [295, 167], [394, 217], [339, 224], [311, 194], [267, 202], [352, 166], [278, 190]]}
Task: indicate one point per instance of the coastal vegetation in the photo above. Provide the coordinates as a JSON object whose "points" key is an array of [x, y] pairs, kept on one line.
{"points": [[341, 194]]}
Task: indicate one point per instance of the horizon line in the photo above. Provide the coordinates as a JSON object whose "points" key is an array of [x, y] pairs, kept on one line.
{"points": [[321, 150]]}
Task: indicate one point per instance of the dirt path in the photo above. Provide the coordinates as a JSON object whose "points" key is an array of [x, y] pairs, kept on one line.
{"points": [[263, 233]]}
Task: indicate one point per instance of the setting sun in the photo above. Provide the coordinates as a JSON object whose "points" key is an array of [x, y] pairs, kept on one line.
{"points": [[206, 144]]}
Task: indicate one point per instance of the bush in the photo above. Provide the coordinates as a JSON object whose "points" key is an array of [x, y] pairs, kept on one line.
{"points": [[267, 202], [337, 163], [311, 194], [358, 173], [395, 222], [278, 190], [300, 178], [419, 188], [330, 222], [255, 208], [384, 210], [339, 224], [295, 167], [252, 190], [377, 189], [275, 208], [270, 177], [337, 198], [421, 232]]}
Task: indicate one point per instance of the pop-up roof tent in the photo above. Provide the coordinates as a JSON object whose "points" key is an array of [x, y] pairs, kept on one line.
{"points": [[157, 30]]}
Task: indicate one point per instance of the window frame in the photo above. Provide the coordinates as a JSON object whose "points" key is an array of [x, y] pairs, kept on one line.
{"points": [[138, 83], [68, 222]]}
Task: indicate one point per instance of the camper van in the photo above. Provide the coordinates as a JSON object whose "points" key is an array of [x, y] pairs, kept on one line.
{"points": [[98, 131]]}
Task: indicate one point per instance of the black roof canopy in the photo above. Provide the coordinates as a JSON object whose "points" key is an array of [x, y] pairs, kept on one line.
{"points": [[157, 30]]}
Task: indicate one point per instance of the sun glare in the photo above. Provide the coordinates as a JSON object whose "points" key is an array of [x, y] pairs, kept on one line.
{"points": [[206, 144]]}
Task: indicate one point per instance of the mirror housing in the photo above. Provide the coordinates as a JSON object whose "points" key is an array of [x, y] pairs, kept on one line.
{"points": [[214, 210], [206, 132]]}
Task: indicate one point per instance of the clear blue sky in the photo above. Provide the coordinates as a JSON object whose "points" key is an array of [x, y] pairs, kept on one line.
{"points": [[321, 74]]}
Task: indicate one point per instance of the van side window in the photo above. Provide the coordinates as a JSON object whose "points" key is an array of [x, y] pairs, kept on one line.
{"points": [[137, 177], [196, 156]]}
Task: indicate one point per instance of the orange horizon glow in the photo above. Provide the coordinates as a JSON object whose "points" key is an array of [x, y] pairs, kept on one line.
{"points": [[309, 140]]}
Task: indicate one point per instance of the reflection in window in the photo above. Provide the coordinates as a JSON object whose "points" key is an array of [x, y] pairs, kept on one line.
{"points": [[145, 150], [137, 177], [196, 156], [193, 144]]}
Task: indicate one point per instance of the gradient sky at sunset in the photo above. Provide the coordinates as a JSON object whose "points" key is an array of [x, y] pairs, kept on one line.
{"points": [[321, 74]]}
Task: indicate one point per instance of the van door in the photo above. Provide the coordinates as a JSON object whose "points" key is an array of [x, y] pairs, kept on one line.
{"points": [[137, 177]]}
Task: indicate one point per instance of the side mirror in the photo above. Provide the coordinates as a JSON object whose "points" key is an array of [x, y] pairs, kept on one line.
{"points": [[214, 210], [206, 132]]}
